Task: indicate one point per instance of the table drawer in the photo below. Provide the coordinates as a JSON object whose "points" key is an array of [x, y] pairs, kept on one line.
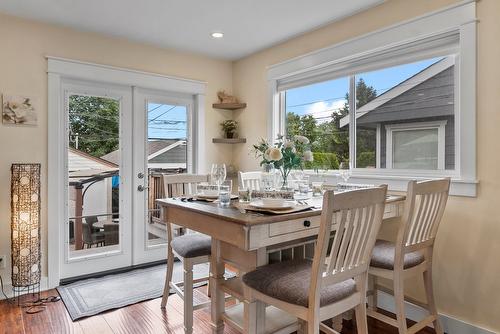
{"points": [[293, 226]]}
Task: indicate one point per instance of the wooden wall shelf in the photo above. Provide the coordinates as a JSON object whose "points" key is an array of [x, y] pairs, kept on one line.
{"points": [[229, 106], [229, 140]]}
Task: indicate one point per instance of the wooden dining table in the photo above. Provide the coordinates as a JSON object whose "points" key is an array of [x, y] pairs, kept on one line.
{"points": [[246, 240]]}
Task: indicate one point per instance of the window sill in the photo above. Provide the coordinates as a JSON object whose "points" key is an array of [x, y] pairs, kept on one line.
{"points": [[459, 186]]}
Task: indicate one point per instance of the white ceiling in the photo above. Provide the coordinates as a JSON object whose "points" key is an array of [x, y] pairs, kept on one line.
{"points": [[248, 25]]}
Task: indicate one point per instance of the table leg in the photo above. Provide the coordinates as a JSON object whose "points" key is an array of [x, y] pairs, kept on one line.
{"points": [[217, 295], [255, 311]]}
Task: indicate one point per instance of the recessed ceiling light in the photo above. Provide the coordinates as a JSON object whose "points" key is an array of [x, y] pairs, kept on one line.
{"points": [[217, 34]]}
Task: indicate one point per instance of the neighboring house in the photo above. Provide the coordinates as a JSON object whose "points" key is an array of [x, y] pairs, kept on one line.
{"points": [[94, 175], [415, 119], [162, 154]]}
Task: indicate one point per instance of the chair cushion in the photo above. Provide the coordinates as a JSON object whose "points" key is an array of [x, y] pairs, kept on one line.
{"points": [[384, 253], [192, 245], [289, 281]]}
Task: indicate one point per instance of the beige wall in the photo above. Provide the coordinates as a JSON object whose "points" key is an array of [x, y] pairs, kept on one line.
{"points": [[23, 67], [467, 270]]}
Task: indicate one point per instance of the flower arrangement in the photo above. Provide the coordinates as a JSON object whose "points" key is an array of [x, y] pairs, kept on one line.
{"points": [[229, 127], [286, 154]]}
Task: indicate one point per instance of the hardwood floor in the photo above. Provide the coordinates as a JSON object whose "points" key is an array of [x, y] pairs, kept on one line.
{"points": [[144, 318]]}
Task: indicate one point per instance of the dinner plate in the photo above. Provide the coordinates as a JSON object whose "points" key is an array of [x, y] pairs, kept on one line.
{"points": [[203, 196], [285, 205]]}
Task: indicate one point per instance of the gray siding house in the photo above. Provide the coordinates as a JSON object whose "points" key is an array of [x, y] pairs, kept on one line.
{"points": [[417, 115]]}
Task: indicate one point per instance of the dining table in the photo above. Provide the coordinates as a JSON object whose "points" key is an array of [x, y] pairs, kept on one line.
{"points": [[245, 239]]}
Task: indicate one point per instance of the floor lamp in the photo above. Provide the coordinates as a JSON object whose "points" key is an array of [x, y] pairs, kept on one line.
{"points": [[25, 228]]}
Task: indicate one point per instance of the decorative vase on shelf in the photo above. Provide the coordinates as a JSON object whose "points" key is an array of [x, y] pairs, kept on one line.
{"points": [[268, 176], [230, 135]]}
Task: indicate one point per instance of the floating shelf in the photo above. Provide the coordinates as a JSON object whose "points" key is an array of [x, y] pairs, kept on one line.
{"points": [[229, 140], [229, 106]]}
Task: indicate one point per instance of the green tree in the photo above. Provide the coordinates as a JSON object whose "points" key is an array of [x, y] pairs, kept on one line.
{"points": [[94, 124]]}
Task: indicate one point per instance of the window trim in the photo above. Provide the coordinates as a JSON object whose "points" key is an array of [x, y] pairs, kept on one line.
{"points": [[425, 31], [391, 128]]}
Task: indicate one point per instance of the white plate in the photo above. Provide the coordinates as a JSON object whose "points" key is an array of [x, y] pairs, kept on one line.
{"points": [[285, 205]]}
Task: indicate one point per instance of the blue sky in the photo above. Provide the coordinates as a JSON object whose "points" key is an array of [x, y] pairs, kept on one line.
{"points": [[167, 121], [322, 98]]}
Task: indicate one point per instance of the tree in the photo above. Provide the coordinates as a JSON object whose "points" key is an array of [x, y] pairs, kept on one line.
{"points": [[94, 124], [365, 137]]}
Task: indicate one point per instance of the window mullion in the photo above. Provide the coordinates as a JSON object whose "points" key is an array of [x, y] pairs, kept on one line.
{"points": [[352, 121]]}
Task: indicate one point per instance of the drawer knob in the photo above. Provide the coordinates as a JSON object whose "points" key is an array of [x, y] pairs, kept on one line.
{"points": [[307, 223]]}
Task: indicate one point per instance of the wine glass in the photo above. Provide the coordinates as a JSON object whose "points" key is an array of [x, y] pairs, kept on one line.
{"points": [[218, 173], [345, 172]]}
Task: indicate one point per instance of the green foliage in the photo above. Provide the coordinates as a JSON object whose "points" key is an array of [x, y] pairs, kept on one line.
{"points": [[94, 123], [366, 159], [323, 160], [330, 138]]}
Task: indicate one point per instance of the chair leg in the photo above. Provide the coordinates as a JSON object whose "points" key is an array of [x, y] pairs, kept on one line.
{"points": [[430, 300], [399, 300], [361, 320], [209, 294], [372, 289], [188, 296], [168, 279]]}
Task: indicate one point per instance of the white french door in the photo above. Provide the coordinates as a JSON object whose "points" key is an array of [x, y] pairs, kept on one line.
{"points": [[162, 144], [96, 233], [119, 142]]}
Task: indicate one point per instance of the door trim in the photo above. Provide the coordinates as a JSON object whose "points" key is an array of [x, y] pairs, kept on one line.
{"points": [[59, 69]]}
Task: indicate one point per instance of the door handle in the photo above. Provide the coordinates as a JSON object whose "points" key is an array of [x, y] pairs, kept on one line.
{"points": [[141, 188]]}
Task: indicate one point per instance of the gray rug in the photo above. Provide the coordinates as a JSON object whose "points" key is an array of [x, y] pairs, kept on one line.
{"points": [[92, 296]]}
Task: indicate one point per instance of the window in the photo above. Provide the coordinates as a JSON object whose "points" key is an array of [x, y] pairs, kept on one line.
{"points": [[404, 117], [406, 109]]}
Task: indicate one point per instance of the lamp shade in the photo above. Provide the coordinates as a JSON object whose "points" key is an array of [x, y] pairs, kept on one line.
{"points": [[25, 225]]}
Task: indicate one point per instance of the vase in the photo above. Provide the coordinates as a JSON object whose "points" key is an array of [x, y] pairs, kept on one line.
{"points": [[268, 176], [229, 135]]}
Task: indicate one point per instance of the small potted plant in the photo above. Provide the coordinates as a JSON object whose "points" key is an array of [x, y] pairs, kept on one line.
{"points": [[229, 127]]}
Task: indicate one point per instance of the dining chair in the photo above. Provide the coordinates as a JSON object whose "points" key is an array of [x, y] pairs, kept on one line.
{"points": [[250, 180], [91, 236], [411, 254], [335, 280], [191, 249]]}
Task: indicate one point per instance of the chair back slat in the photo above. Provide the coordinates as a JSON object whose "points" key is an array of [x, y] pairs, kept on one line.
{"points": [[357, 216], [181, 184], [250, 180], [424, 209]]}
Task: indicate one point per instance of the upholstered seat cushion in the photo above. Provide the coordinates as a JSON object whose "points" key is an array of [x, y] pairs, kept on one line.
{"points": [[192, 245], [384, 253], [289, 281]]}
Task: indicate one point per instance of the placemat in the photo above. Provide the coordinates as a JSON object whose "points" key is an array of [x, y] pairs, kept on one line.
{"points": [[296, 208]]}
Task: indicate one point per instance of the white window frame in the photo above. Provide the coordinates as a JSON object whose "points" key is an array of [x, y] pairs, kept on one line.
{"points": [[451, 30], [439, 125]]}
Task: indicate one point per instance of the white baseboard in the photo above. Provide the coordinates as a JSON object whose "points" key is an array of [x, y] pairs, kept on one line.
{"points": [[7, 287], [450, 325]]}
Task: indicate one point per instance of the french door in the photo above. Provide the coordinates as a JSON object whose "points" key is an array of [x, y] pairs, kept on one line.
{"points": [[120, 140]]}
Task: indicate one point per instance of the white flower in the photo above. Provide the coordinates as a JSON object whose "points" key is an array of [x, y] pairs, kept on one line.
{"points": [[288, 144], [308, 156], [275, 154], [266, 154], [301, 139]]}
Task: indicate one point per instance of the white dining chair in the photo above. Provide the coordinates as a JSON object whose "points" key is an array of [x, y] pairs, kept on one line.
{"points": [[411, 254], [191, 249], [335, 281], [250, 180]]}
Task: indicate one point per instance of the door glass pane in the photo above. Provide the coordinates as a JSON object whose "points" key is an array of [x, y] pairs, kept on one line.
{"points": [[93, 174], [321, 113], [166, 147], [415, 149]]}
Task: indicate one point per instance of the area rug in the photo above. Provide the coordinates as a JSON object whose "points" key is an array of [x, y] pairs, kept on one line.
{"points": [[93, 296]]}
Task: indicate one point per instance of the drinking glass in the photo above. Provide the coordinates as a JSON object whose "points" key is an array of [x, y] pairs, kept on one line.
{"points": [[317, 189], [244, 194], [345, 172], [224, 195], [218, 173]]}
